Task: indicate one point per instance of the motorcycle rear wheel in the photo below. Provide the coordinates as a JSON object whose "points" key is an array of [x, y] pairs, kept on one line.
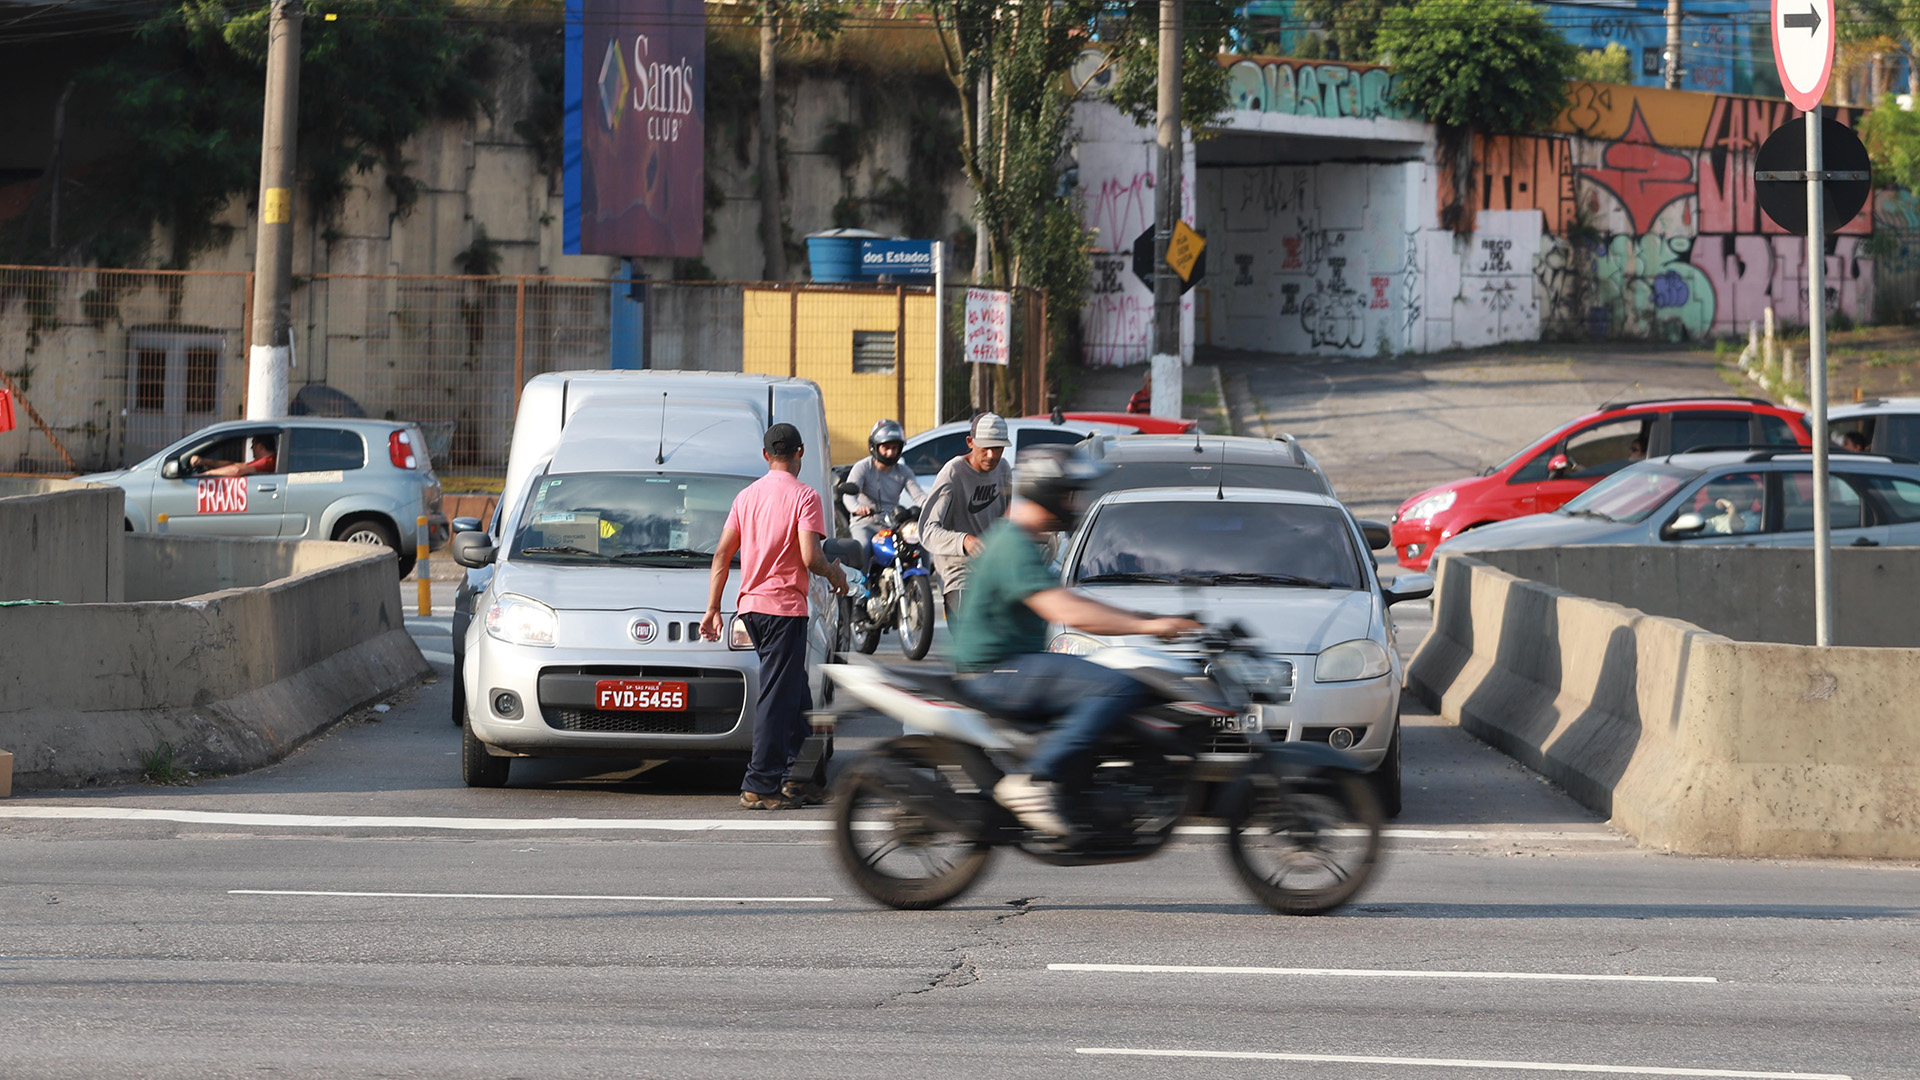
{"points": [[916, 618], [1307, 848], [881, 841]]}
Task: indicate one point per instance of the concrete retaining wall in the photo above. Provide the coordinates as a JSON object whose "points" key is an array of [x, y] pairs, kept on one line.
{"points": [[1748, 594], [232, 678], [1687, 739], [60, 540]]}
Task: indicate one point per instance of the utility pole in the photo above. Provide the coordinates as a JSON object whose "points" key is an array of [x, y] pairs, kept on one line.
{"points": [[772, 236], [1673, 45], [270, 352], [1166, 210]]}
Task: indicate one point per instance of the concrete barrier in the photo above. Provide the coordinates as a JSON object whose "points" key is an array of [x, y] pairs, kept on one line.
{"points": [[1687, 739], [59, 540], [286, 638]]}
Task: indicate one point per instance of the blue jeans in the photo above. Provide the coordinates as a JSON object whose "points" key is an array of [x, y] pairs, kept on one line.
{"points": [[780, 717], [1090, 701]]}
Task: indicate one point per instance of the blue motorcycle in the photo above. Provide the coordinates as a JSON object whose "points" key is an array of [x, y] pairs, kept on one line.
{"points": [[899, 591]]}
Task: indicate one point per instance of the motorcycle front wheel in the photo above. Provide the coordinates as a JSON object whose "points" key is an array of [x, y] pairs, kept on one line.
{"points": [[1303, 846], [893, 853], [916, 618]]}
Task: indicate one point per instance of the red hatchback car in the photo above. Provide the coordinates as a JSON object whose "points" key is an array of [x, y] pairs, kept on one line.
{"points": [[1572, 458]]}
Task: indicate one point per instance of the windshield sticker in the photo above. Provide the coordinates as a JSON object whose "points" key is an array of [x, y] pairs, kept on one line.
{"points": [[333, 476], [220, 495], [607, 529]]}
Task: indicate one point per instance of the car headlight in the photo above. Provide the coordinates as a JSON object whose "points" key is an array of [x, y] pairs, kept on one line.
{"points": [[1363, 658], [738, 637], [1431, 505], [518, 620], [910, 532], [1076, 644]]}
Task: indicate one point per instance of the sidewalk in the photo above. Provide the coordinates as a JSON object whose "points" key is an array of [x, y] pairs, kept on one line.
{"points": [[1106, 389]]}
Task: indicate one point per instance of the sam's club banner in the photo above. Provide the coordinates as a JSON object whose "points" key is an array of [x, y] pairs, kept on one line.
{"points": [[635, 113]]}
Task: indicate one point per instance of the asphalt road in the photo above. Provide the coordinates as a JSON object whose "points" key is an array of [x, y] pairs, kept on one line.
{"points": [[356, 911]]}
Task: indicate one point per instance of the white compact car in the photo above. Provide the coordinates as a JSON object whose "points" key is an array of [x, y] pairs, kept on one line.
{"points": [[1292, 567], [585, 640]]}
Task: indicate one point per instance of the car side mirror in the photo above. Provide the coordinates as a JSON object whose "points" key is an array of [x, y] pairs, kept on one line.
{"points": [[473, 549], [170, 469], [1685, 525], [464, 524], [1559, 465], [1379, 536], [1408, 587]]}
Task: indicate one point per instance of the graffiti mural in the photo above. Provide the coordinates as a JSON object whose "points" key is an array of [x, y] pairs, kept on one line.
{"points": [[1311, 88]]}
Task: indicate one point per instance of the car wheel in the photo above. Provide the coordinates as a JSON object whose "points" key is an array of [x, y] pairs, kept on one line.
{"points": [[477, 767], [370, 531], [1386, 778]]}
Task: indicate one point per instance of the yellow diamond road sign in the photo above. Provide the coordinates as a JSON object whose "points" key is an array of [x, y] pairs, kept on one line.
{"points": [[1183, 249]]}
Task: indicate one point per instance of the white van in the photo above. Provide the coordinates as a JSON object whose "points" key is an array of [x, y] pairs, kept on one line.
{"points": [[586, 639]]}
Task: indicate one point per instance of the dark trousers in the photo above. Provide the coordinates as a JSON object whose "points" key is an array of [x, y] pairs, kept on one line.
{"points": [[1089, 700], [952, 601], [780, 716]]}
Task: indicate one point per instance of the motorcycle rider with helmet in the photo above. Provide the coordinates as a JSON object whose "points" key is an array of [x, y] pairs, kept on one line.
{"points": [[881, 478], [999, 644]]}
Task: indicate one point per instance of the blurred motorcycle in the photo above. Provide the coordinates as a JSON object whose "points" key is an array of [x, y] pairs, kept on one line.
{"points": [[915, 820]]}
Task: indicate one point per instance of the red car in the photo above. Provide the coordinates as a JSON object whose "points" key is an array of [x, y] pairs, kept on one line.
{"points": [[1572, 458], [1147, 425]]}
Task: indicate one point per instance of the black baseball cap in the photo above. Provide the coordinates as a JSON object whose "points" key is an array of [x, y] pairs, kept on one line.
{"points": [[783, 440]]}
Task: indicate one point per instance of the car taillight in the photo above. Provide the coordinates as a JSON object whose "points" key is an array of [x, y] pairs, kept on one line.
{"points": [[400, 451]]}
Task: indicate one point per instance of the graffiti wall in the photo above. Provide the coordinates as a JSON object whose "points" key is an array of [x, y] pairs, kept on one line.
{"points": [[1117, 177], [1633, 217]]}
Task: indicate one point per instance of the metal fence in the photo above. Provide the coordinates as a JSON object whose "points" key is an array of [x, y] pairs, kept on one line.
{"points": [[109, 366]]}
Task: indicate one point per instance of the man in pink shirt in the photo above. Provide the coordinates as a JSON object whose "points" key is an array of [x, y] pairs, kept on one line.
{"points": [[776, 525]]}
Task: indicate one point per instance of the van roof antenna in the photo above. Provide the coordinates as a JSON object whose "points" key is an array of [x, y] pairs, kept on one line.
{"points": [[1220, 492], [1196, 439], [660, 456]]}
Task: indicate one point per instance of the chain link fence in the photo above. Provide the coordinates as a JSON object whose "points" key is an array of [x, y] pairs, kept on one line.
{"points": [[110, 366]]}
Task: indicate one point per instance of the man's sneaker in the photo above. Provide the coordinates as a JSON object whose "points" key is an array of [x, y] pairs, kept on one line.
{"points": [[804, 794], [753, 800], [1033, 802]]}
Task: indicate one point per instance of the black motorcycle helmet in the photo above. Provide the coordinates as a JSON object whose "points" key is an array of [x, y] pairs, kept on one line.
{"points": [[884, 432], [1057, 479]]}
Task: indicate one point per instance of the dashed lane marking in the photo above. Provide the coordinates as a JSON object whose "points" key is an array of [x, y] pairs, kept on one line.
{"points": [[536, 896], [1378, 973], [1460, 1063]]}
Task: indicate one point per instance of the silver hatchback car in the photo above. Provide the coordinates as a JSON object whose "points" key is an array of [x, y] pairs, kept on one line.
{"points": [[301, 478]]}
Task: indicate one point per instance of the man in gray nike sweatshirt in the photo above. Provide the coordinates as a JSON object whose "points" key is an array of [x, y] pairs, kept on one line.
{"points": [[970, 494]]}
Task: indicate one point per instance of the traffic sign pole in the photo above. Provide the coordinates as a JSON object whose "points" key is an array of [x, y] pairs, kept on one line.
{"points": [[1817, 381]]}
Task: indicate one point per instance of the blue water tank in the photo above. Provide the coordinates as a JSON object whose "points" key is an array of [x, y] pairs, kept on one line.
{"points": [[834, 255]]}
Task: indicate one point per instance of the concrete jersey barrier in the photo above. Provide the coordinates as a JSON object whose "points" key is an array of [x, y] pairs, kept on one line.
{"points": [[1689, 740], [58, 540], [292, 636]]}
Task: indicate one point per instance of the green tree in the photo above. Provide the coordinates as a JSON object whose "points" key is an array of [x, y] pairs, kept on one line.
{"points": [[819, 20], [1476, 66], [1350, 25], [1892, 135], [187, 95], [1612, 64]]}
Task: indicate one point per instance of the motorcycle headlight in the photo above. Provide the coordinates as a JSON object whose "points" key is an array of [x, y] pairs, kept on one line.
{"points": [[518, 620], [1259, 675], [737, 636], [910, 532], [1076, 644], [1348, 661], [1429, 506]]}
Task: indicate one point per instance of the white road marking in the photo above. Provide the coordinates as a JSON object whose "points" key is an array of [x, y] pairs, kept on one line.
{"points": [[486, 824], [537, 896], [1460, 1063], [1380, 973]]}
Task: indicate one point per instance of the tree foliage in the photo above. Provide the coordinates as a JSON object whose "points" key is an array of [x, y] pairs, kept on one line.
{"points": [[1478, 65], [1349, 26], [1613, 64], [1892, 135], [187, 94]]}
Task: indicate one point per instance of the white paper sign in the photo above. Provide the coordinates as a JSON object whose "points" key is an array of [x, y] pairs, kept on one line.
{"points": [[989, 326]]}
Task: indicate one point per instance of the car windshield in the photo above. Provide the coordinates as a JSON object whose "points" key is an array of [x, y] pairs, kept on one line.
{"points": [[1127, 476], [1632, 494], [1220, 543], [646, 519]]}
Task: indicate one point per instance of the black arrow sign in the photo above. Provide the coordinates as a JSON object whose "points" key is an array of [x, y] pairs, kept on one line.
{"points": [[1811, 21]]}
